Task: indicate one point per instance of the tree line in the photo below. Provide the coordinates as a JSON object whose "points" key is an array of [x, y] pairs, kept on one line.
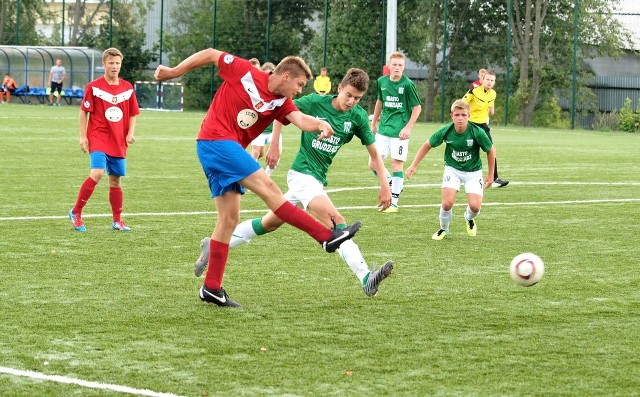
{"points": [[340, 34]]}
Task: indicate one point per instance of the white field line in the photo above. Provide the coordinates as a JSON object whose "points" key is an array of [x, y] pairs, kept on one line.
{"points": [[488, 204], [84, 383]]}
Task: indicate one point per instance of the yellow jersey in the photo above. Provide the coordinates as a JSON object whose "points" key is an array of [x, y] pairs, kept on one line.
{"points": [[322, 84], [480, 101]]}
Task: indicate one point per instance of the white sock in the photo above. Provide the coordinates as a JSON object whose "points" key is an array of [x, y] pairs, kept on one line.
{"points": [[268, 170], [242, 234], [469, 215], [351, 254], [397, 183], [445, 218]]}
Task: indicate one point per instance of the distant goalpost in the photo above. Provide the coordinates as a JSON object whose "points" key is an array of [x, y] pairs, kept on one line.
{"points": [[168, 97]]}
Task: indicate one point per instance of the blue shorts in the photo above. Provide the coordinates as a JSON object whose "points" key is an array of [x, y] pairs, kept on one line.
{"points": [[225, 163], [114, 165]]}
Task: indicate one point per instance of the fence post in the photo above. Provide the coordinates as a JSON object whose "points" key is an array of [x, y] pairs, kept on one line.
{"points": [[443, 77], [575, 46], [507, 83]]}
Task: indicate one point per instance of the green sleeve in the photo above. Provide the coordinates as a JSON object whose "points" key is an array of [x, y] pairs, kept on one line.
{"points": [[438, 137], [362, 127], [414, 98], [305, 104]]}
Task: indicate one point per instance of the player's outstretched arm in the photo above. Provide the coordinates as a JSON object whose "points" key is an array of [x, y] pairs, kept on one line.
{"points": [[377, 164], [310, 124], [424, 149], [194, 61], [273, 153], [491, 161]]}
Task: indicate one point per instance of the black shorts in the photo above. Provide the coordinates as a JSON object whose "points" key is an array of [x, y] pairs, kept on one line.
{"points": [[486, 129], [56, 87]]}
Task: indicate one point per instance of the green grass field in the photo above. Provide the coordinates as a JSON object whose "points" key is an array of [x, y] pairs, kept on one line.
{"points": [[120, 310]]}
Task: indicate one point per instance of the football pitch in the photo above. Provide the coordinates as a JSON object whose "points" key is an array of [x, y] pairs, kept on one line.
{"points": [[107, 313]]}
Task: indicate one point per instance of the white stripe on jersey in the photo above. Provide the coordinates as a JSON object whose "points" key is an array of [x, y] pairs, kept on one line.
{"points": [[112, 99], [251, 90]]}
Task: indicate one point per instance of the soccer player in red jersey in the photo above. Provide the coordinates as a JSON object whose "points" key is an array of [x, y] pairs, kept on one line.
{"points": [[107, 124], [246, 103]]}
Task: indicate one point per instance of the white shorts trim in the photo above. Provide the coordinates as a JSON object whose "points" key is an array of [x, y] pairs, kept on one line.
{"points": [[302, 188], [395, 148], [453, 178]]}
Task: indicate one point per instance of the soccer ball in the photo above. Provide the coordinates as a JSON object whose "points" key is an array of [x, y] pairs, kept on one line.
{"points": [[526, 269]]}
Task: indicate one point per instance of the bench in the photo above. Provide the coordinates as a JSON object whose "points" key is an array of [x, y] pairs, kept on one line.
{"points": [[28, 94]]}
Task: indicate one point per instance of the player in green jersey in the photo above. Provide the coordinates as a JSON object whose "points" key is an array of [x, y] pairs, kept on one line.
{"points": [[397, 108], [308, 174], [462, 164]]}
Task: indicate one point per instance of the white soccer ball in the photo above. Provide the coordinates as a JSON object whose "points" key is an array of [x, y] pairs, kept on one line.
{"points": [[526, 269]]}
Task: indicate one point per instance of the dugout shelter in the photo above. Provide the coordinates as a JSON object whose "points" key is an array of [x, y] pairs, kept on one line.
{"points": [[30, 68]]}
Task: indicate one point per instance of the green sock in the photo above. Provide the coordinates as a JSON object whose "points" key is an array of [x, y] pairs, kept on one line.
{"points": [[257, 226]]}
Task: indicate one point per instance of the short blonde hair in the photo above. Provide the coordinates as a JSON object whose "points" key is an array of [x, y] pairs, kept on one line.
{"points": [[296, 66], [396, 54], [111, 52], [459, 104], [255, 62], [268, 67]]}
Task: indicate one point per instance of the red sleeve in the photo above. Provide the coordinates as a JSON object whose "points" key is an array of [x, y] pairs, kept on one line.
{"points": [[231, 66]]}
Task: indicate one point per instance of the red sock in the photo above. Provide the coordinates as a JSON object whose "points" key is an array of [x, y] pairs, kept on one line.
{"points": [[303, 221], [115, 198], [218, 254], [86, 190]]}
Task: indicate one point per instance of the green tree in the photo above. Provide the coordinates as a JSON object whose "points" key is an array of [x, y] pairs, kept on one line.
{"points": [[421, 35], [629, 120], [24, 15], [354, 40], [82, 18], [126, 34], [543, 40], [240, 28]]}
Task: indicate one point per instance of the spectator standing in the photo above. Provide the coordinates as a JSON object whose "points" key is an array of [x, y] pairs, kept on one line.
{"points": [[57, 74], [322, 83]]}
